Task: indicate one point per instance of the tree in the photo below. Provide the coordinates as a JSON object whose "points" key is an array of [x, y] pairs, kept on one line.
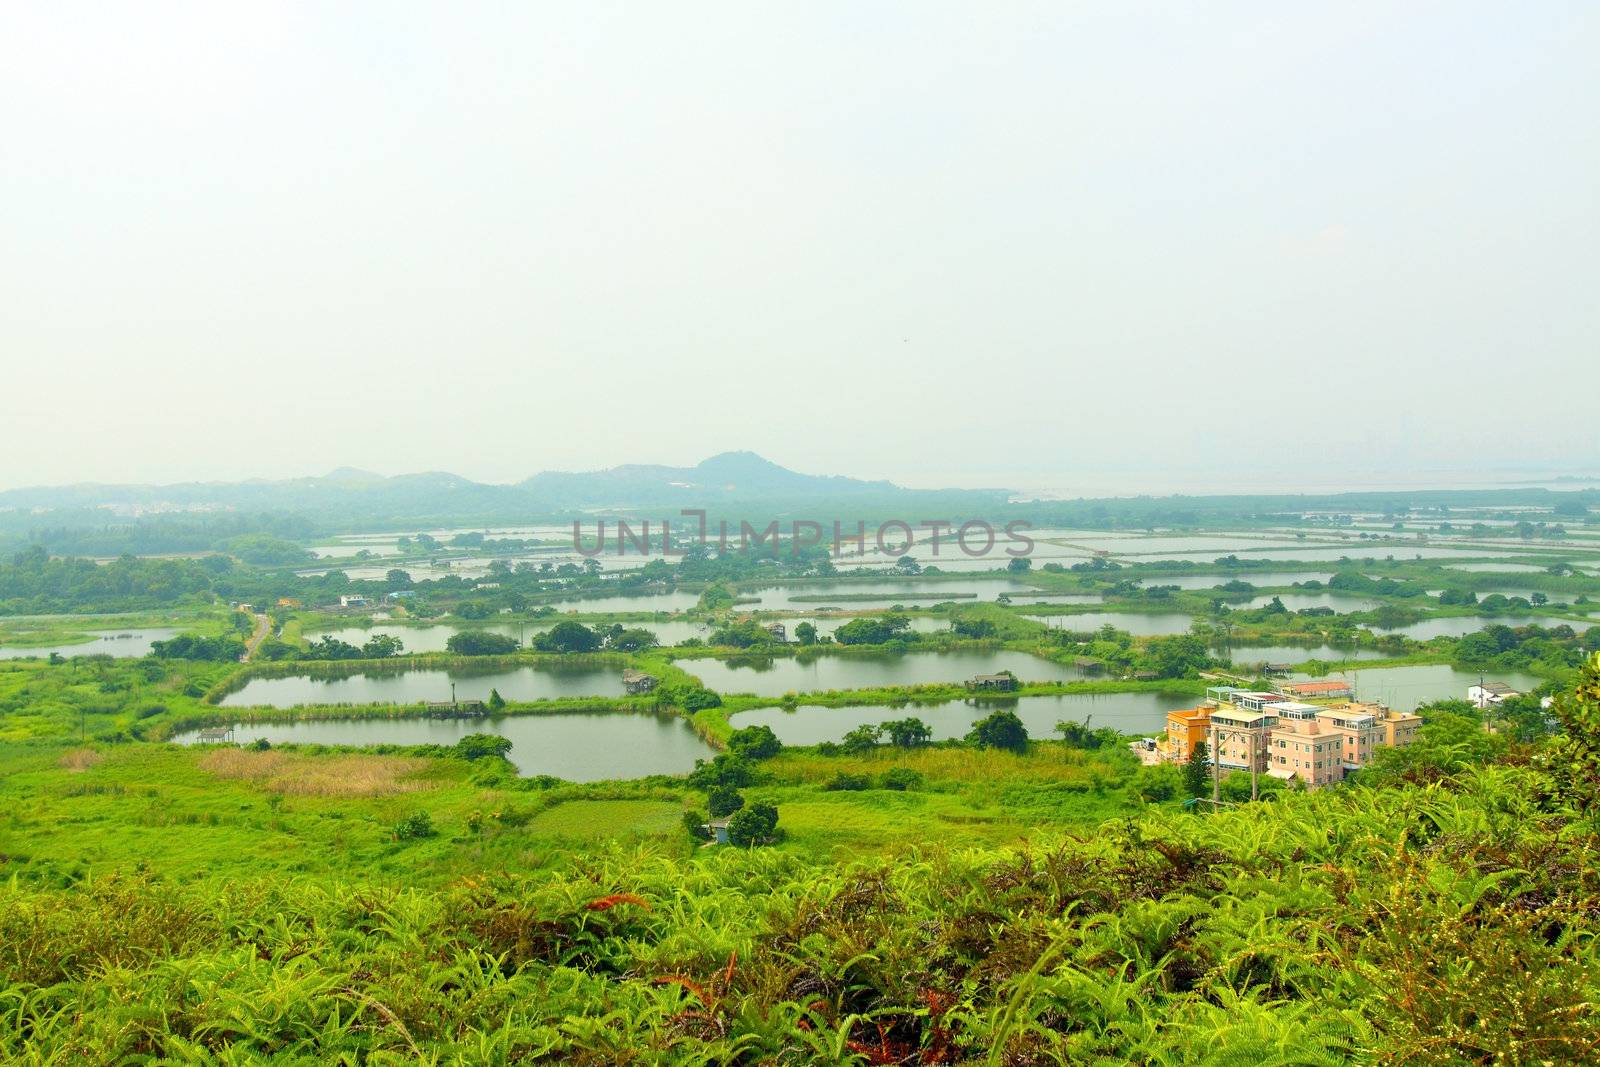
{"points": [[742, 635], [725, 768], [480, 643], [863, 738], [496, 701], [567, 636], [631, 640], [873, 631], [756, 824], [1001, 730], [1197, 772], [908, 733], [1020, 565], [382, 646], [1176, 657], [975, 628], [1080, 735], [755, 742], [907, 565], [723, 800], [806, 633]]}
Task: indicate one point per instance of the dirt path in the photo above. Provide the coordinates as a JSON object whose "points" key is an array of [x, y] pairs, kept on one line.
{"points": [[263, 628]]}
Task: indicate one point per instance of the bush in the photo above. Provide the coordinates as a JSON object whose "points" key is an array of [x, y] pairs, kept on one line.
{"points": [[902, 779], [567, 636], [480, 746], [851, 783], [416, 825], [755, 742], [690, 697]]}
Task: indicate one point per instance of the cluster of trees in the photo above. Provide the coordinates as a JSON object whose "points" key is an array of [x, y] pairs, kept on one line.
{"points": [[225, 649], [1355, 582], [875, 630], [570, 636], [35, 583], [481, 643], [724, 777], [1505, 648], [378, 646], [910, 732]]}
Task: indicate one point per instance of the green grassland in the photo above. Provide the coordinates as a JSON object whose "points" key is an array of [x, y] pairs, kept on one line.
{"points": [[163, 903]]}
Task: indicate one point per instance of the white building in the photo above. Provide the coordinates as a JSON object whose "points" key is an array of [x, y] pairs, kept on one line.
{"points": [[1485, 693]]}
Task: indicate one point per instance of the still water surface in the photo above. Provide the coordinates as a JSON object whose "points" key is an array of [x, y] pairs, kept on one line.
{"points": [[131, 643], [784, 674], [542, 682], [1135, 713], [577, 747]]}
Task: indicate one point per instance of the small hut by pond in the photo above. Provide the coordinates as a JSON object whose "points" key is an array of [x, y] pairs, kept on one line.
{"points": [[1004, 682], [454, 709], [635, 682]]}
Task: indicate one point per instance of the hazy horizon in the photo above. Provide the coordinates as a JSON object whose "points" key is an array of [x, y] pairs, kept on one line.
{"points": [[923, 243]]}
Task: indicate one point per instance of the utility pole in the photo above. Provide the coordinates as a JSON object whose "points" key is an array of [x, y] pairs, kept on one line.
{"points": [[1216, 768]]}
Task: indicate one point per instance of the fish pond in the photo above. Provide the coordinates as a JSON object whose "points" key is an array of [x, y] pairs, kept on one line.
{"points": [[574, 746], [1460, 625], [804, 596], [778, 675], [548, 680], [1134, 622], [1406, 688], [1134, 713], [1252, 654], [130, 643]]}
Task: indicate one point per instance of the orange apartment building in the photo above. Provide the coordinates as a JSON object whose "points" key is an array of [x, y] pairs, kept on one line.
{"points": [[1317, 744]]}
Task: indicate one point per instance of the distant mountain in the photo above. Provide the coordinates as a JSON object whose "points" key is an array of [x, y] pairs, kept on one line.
{"points": [[347, 495], [730, 475]]}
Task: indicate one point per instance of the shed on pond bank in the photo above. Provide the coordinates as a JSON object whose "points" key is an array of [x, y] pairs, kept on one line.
{"points": [[635, 682], [1002, 683], [444, 709]]}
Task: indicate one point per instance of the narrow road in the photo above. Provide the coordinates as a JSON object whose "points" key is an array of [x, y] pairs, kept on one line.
{"points": [[263, 628]]}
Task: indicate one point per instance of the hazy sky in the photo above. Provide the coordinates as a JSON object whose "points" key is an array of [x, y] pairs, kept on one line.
{"points": [[934, 243]]}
